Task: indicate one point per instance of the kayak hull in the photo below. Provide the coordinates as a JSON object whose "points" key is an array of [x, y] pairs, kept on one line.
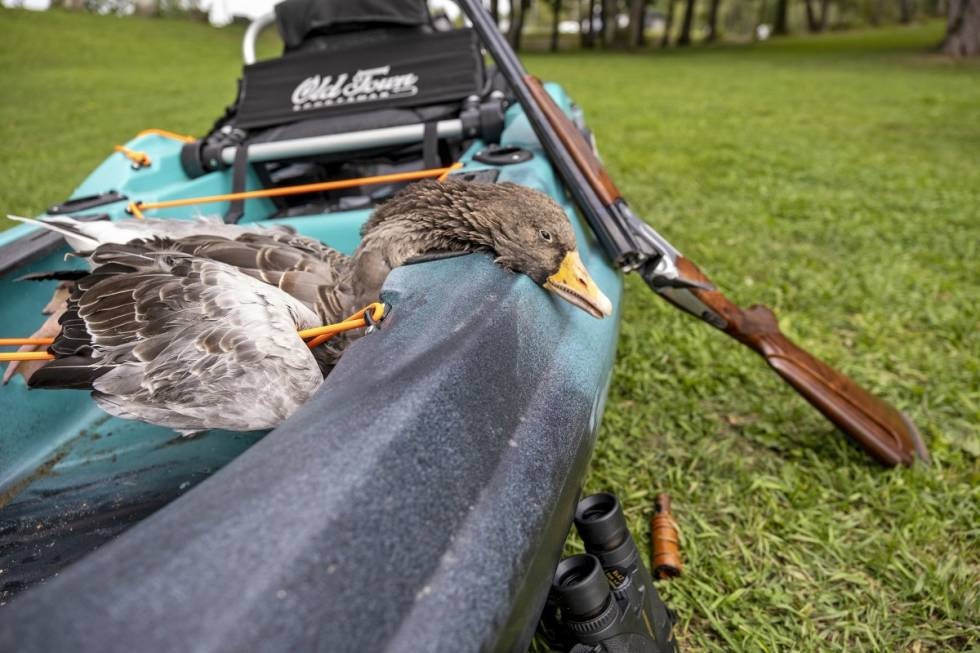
{"points": [[422, 495], [420, 498]]}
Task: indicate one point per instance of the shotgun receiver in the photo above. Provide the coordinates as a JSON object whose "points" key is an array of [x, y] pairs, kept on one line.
{"points": [[884, 432]]}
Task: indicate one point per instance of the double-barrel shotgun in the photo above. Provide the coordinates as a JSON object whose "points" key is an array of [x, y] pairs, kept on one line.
{"points": [[882, 430]]}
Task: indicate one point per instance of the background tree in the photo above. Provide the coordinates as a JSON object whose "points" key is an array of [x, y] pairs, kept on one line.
{"points": [[685, 37], [146, 8], [824, 12], [812, 22], [495, 11], [609, 11], [712, 21], [962, 28], [668, 24], [638, 15], [905, 8], [874, 12], [555, 20], [780, 25], [518, 12], [588, 30]]}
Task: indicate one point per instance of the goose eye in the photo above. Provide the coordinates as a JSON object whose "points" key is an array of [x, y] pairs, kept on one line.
{"points": [[545, 235]]}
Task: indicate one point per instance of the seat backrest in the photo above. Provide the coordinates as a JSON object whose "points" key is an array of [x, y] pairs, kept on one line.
{"points": [[394, 69]]}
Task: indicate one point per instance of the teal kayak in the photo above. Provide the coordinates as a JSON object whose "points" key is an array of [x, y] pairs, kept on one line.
{"points": [[72, 477]]}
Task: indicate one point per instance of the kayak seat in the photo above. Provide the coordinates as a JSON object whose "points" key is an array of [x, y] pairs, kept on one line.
{"points": [[343, 71]]}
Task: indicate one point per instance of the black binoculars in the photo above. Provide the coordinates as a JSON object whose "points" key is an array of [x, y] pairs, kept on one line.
{"points": [[604, 601]]}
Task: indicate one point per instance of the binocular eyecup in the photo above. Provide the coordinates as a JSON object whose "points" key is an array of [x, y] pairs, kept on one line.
{"points": [[600, 522], [580, 587]]}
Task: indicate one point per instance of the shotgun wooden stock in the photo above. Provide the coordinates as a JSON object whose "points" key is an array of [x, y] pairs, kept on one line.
{"points": [[884, 432]]}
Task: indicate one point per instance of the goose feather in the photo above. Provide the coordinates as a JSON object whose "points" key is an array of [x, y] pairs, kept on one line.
{"points": [[191, 343]]}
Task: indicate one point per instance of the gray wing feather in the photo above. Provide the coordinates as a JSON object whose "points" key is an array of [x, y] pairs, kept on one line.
{"points": [[264, 252], [198, 344]]}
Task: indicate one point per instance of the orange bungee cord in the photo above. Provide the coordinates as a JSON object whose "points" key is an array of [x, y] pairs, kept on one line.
{"points": [[142, 159], [153, 131], [137, 208], [139, 159], [368, 316]]}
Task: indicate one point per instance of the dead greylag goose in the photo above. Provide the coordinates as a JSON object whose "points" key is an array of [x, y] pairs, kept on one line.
{"points": [[186, 332]]}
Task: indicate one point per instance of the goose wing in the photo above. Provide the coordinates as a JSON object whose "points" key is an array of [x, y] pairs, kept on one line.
{"points": [[176, 340], [303, 267], [315, 274]]}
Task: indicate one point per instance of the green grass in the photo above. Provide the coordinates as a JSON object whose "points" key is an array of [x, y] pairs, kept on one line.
{"points": [[836, 179]]}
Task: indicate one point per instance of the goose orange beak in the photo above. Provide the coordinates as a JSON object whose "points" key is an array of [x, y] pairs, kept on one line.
{"points": [[573, 283]]}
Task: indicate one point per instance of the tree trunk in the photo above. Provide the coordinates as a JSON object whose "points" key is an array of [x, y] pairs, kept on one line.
{"points": [[588, 31], [780, 26], [905, 9], [685, 37], [609, 12], [963, 29], [638, 11], [602, 23], [713, 21], [811, 16], [518, 10], [824, 11], [875, 17], [495, 11], [556, 10], [668, 24]]}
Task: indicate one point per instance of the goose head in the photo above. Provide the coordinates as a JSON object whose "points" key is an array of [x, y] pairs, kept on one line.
{"points": [[525, 230]]}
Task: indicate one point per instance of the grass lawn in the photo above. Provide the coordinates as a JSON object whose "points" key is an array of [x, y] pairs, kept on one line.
{"points": [[836, 179]]}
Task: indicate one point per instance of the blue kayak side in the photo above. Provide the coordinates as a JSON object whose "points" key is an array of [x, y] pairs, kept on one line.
{"points": [[419, 500]]}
